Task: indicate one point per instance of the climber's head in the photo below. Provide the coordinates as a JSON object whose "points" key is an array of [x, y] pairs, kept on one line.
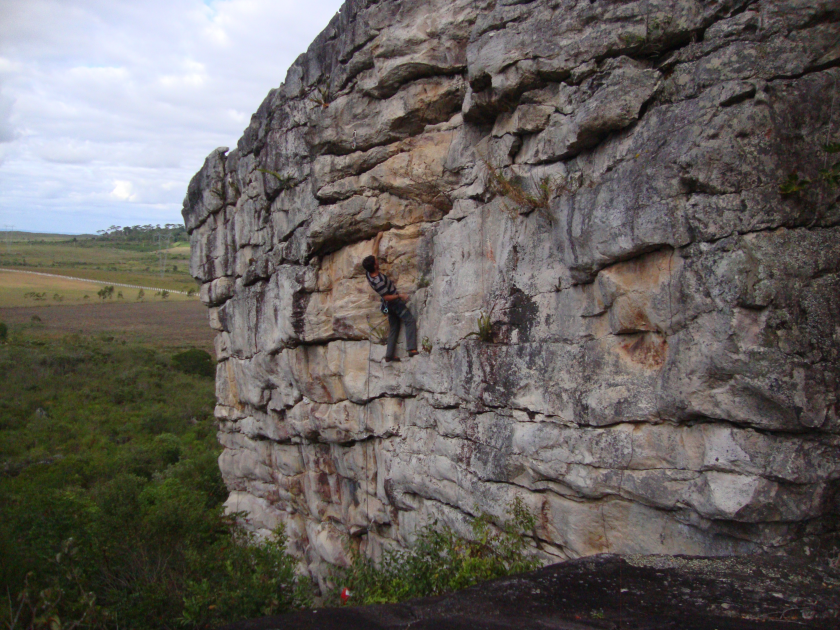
{"points": [[370, 265]]}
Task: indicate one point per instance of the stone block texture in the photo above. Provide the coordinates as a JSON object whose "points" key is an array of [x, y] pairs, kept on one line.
{"points": [[663, 374]]}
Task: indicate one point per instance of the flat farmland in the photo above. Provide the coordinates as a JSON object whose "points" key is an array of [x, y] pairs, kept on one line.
{"points": [[102, 261], [29, 289], [171, 324]]}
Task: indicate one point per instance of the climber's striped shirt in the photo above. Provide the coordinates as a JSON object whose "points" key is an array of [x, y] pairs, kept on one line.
{"points": [[381, 284]]}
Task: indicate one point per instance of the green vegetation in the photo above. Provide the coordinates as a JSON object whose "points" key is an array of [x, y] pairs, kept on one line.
{"points": [[829, 176], [793, 184], [285, 182], [525, 202], [322, 96], [378, 332], [195, 361], [111, 501], [111, 497], [106, 292], [485, 328], [440, 561], [426, 344], [143, 237]]}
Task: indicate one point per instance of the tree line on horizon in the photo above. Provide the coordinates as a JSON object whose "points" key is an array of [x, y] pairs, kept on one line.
{"points": [[143, 233]]}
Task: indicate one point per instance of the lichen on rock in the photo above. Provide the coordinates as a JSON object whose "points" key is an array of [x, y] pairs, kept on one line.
{"points": [[663, 375]]}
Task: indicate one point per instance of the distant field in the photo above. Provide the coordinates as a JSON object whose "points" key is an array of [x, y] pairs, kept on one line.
{"points": [[167, 324], [40, 236], [102, 261], [26, 289]]}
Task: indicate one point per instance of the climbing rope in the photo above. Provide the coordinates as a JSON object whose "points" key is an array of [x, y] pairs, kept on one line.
{"points": [[364, 444]]}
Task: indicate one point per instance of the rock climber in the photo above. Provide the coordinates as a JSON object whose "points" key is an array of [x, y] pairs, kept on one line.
{"points": [[393, 304]]}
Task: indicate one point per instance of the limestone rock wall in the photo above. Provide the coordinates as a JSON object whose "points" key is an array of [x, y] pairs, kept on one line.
{"points": [[663, 376]]}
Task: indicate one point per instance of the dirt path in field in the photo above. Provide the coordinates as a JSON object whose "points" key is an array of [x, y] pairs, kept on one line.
{"points": [[172, 324]]}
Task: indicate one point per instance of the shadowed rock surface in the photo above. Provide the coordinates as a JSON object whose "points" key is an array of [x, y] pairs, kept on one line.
{"points": [[663, 375], [607, 592]]}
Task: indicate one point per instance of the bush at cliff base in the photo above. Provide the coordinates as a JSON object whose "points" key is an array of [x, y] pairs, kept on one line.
{"points": [[195, 361], [111, 500], [440, 562]]}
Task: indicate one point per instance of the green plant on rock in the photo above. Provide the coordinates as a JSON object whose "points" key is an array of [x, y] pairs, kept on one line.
{"points": [[793, 184], [525, 202], [423, 282], [378, 332], [321, 97], [218, 192], [440, 561], [830, 176], [286, 181], [426, 344], [485, 327], [235, 187]]}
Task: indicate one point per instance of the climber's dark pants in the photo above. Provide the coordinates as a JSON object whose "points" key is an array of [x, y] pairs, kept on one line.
{"points": [[398, 311]]}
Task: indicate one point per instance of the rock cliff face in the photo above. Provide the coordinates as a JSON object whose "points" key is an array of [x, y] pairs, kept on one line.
{"points": [[602, 179]]}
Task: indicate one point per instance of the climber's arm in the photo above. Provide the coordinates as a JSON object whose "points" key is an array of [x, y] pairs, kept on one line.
{"points": [[375, 250]]}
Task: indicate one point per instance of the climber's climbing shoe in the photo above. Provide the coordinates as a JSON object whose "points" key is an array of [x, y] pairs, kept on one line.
{"points": [[392, 360]]}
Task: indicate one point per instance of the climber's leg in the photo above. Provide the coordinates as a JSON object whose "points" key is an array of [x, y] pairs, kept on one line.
{"points": [[410, 329], [393, 331]]}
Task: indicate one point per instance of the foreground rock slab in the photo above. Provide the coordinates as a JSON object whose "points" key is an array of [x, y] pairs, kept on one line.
{"points": [[609, 591]]}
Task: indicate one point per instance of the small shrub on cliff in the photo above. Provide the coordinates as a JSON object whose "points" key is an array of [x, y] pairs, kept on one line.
{"points": [[512, 189], [378, 332], [440, 562], [426, 344], [286, 182], [485, 328], [829, 176], [322, 96]]}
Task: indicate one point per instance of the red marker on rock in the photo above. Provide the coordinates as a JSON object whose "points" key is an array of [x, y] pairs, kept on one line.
{"points": [[345, 595]]}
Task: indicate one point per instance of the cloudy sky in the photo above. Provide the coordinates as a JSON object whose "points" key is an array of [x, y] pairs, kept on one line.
{"points": [[108, 107]]}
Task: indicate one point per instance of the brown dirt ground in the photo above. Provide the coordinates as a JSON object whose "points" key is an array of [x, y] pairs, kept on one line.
{"points": [[173, 324]]}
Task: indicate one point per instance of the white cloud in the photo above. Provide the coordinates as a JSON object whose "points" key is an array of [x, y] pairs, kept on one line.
{"points": [[132, 94], [124, 191]]}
